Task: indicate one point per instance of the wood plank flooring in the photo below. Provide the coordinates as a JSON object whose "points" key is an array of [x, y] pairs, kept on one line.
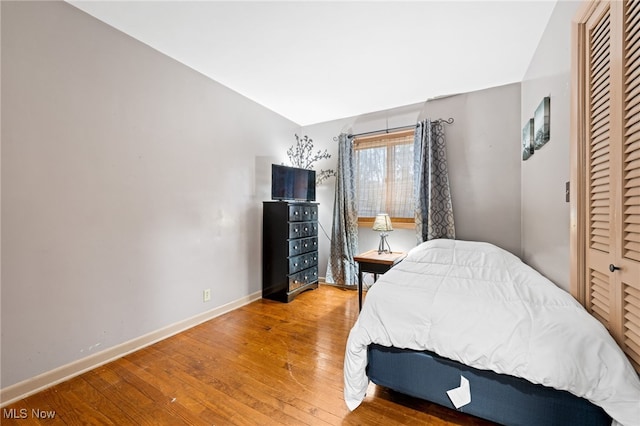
{"points": [[267, 363]]}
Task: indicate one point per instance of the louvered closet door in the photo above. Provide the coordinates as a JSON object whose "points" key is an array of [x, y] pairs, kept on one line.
{"points": [[600, 233], [612, 133], [629, 243]]}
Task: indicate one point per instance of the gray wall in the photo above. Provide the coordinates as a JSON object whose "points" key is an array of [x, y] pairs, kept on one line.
{"points": [[482, 151], [130, 183], [545, 213]]}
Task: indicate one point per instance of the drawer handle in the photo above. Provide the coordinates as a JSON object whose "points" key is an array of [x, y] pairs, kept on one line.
{"points": [[295, 247], [306, 212], [305, 244], [295, 213], [306, 229], [295, 230], [306, 261]]}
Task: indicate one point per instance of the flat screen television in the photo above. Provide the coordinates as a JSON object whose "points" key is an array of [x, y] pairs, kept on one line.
{"points": [[292, 183]]}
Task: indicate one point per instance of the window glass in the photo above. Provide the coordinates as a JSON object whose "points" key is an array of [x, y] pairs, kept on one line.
{"points": [[384, 176]]}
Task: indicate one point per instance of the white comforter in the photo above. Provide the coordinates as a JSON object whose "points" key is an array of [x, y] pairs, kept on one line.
{"points": [[480, 305]]}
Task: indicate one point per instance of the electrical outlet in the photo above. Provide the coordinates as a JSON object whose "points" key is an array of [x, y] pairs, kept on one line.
{"points": [[206, 295]]}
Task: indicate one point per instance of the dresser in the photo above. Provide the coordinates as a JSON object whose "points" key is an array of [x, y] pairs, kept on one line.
{"points": [[289, 249]]}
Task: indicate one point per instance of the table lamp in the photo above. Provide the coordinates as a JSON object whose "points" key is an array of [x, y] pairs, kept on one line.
{"points": [[383, 225]]}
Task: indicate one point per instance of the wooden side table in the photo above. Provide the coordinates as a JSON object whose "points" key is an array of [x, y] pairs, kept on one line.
{"points": [[375, 263]]}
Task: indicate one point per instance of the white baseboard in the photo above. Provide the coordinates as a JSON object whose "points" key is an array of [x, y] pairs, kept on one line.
{"points": [[42, 381]]}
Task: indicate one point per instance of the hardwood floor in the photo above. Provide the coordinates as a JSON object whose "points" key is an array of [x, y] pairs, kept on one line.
{"points": [[267, 363]]}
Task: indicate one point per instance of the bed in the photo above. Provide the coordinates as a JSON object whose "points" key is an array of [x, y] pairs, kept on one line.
{"points": [[457, 311]]}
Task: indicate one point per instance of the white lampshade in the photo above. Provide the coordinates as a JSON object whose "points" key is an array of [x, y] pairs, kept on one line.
{"points": [[382, 223]]}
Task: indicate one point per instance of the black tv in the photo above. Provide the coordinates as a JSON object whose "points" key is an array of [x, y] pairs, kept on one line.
{"points": [[292, 183]]}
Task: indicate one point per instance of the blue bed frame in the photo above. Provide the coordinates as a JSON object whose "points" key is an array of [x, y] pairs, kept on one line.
{"points": [[496, 397]]}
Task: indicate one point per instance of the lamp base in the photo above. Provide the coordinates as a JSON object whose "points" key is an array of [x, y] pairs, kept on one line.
{"points": [[383, 242]]}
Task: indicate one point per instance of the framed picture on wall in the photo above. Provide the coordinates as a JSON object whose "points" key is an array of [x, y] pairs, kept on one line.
{"points": [[527, 140], [541, 123]]}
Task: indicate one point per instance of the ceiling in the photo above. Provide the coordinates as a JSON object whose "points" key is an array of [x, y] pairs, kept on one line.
{"points": [[316, 61]]}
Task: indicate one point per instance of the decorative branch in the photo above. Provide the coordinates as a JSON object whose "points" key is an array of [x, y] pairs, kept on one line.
{"points": [[301, 155], [324, 175]]}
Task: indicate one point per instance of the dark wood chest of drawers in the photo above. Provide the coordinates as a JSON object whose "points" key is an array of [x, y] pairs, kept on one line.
{"points": [[289, 249]]}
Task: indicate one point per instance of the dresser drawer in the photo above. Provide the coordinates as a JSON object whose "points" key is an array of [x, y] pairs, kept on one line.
{"points": [[303, 278], [303, 213], [302, 245], [303, 229], [304, 261]]}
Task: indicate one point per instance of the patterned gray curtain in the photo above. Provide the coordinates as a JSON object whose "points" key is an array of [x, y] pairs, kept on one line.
{"points": [[344, 233], [434, 211]]}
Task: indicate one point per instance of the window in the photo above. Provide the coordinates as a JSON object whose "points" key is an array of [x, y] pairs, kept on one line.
{"points": [[384, 178]]}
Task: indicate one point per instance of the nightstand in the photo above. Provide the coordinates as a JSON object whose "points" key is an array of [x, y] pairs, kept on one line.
{"points": [[376, 264]]}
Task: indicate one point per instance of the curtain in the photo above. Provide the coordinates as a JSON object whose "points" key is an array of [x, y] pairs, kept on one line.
{"points": [[434, 211], [341, 268]]}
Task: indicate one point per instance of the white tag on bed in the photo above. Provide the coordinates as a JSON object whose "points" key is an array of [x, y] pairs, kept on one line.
{"points": [[460, 396]]}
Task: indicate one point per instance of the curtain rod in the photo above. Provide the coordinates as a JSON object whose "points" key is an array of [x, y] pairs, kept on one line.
{"points": [[393, 129]]}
